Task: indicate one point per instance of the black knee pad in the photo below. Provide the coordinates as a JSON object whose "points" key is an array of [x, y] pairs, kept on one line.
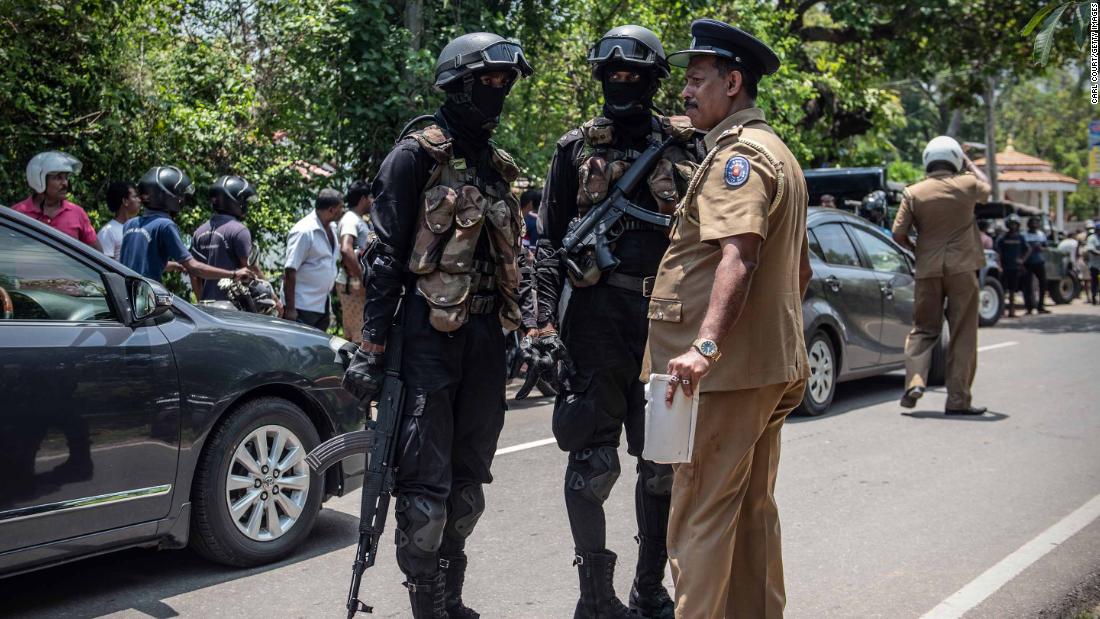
{"points": [[592, 473], [465, 506], [656, 478], [420, 522]]}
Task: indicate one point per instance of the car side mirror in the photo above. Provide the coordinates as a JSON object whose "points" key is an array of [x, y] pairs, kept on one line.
{"points": [[148, 302]]}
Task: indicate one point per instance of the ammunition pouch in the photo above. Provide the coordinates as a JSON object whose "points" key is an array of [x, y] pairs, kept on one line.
{"points": [[457, 205]]}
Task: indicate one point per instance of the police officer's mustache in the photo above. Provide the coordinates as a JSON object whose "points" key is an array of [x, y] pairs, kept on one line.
{"points": [[690, 104]]}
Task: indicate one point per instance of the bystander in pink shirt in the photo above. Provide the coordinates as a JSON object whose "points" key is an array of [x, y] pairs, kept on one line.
{"points": [[71, 219]]}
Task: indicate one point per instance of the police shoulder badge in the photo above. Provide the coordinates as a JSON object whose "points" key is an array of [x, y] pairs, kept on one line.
{"points": [[737, 171]]}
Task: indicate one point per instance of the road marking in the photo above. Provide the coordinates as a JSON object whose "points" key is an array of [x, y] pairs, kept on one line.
{"points": [[1008, 568], [996, 346], [522, 446]]}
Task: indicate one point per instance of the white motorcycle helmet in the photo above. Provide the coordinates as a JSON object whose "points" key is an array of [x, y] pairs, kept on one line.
{"points": [[49, 162], [943, 148]]}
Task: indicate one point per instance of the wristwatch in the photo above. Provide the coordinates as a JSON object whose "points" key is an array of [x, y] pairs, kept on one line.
{"points": [[707, 348]]}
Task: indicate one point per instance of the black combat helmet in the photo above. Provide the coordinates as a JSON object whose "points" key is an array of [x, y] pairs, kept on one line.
{"points": [[232, 194], [633, 45], [478, 51], [165, 188]]}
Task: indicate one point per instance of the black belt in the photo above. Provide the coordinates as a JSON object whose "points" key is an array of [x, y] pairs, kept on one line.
{"points": [[640, 285], [630, 224], [483, 304]]}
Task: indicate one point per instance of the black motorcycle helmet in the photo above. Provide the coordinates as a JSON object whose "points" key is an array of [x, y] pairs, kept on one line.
{"points": [[165, 188], [232, 195]]}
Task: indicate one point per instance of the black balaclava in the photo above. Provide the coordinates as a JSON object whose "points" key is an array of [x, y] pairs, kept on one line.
{"points": [[472, 109], [627, 100]]}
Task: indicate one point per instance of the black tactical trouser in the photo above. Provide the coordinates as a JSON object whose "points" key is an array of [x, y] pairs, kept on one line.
{"points": [[605, 331], [454, 411]]}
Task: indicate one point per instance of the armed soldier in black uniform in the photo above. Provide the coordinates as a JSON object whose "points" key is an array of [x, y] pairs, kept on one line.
{"points": [[448, 235], [604, 329]]}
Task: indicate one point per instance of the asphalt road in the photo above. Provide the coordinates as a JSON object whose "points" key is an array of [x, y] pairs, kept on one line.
{"points": [[885, 513]]}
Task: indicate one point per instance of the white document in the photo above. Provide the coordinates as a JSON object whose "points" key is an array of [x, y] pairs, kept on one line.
{"points": [[669, 431]]}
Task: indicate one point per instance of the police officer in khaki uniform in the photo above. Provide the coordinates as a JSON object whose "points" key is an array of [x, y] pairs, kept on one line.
{"points": [[726, 323], [949, 255]]}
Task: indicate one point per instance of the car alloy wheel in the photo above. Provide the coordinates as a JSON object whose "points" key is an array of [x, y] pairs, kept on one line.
{"points": [[268, 483], [822, 372]]}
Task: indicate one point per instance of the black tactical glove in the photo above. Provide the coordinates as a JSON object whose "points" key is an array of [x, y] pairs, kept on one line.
{"points": [[363, 379], [543, 355], [552, 346]]}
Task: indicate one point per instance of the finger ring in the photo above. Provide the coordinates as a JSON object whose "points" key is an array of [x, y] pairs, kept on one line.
{"points": [[674, 379], [686, 381]]}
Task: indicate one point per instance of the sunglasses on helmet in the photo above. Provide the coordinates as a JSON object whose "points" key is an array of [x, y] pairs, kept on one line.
{"points": [[624, 48], [503, 54]]}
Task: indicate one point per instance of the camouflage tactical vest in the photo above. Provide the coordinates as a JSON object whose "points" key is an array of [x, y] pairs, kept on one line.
{"points": [[458, 206], [601, 163]]}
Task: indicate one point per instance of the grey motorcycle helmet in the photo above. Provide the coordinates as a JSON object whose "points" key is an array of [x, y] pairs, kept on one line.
{"points": [[165, 188], [632, 45], [478, 51]]}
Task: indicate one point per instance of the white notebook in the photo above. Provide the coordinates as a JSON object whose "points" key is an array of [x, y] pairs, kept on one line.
{"points": [[669, 431]]}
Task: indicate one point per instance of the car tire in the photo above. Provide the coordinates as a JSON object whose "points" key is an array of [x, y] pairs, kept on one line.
{"points": [[991, 302], [1064, 290], [821, 385], [271, 520]]}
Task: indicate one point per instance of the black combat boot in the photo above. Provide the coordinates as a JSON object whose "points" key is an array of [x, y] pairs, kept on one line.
{"points": [[426, 596], [454, 570], [598, 601], [648, 596]]}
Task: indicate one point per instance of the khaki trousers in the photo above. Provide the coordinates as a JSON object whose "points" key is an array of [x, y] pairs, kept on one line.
{"points": [[351, 310], [723, 528], [961, 292]]}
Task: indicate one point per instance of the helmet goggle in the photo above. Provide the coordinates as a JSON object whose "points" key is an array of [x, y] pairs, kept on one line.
{"points": [[501, 55], [623, 48]]}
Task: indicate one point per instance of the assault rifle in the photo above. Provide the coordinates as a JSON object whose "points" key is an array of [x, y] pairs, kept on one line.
{"points": [[379, 442], [591, 232]]}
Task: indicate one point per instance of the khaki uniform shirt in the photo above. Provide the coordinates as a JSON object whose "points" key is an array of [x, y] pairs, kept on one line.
{"points": [[749, 183], [941, 208]]}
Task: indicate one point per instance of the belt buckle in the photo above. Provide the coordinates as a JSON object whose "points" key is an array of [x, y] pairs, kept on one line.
{"points": [[647, 285]]}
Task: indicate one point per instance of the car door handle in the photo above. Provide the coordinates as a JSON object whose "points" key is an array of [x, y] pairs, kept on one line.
{"points": [[887, 291], [833, 283]]}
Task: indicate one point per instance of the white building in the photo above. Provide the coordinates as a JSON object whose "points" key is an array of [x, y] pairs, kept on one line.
{"points": [[1029, 180]]}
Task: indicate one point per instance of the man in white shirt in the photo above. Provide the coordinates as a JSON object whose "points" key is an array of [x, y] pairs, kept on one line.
{"points": [[311, 253], [352, 231], [125, 203]]}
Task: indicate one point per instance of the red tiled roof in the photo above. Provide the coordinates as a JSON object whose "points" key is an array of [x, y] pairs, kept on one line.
{"points": [[1033, 176]]}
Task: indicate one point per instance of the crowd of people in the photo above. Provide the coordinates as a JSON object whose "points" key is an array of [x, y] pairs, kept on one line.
{"points": [[322, 254], [1024, 258]]}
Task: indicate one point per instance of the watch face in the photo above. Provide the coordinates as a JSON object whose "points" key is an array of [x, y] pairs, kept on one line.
{"points": [[708, 348]]}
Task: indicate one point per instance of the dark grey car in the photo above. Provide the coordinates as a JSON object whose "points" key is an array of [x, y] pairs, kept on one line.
{"points": [[129, 417], [859, 307]]}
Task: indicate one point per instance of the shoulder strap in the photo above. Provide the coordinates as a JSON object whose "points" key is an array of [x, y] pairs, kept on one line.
{"points": [[412, 123]]}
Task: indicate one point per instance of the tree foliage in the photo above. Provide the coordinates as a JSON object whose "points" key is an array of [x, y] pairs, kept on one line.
{"points": [[299, 94]]}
